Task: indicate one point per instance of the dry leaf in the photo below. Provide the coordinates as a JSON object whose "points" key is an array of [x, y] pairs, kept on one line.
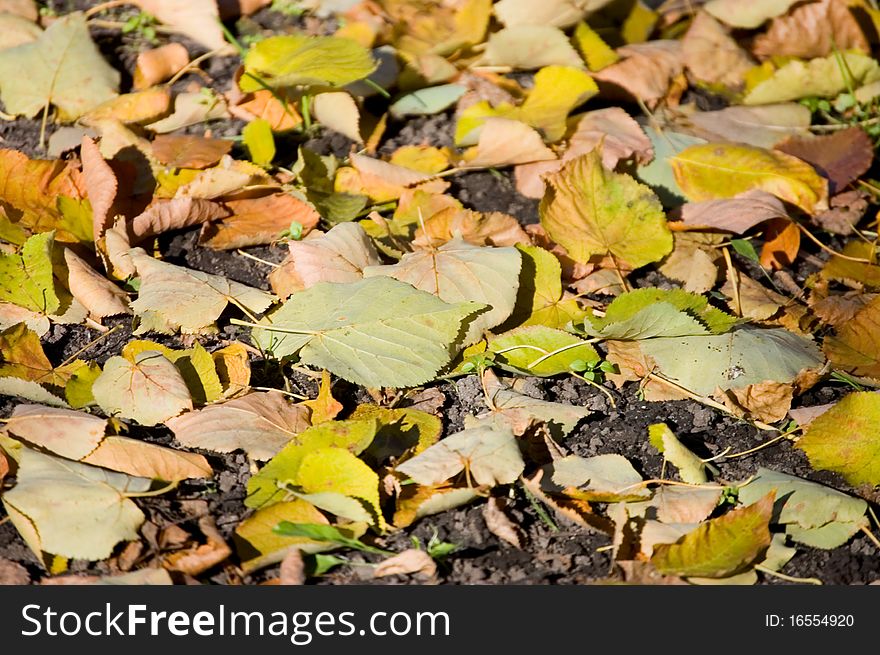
{"points": [[505, 142], [493, 229], [646, 72], [96, 293], [198, 559], [812, 29], [767, 401], [156, 65], [12, 573], [737, 214], [189, 150], [409, 561], [197, 19], [292, 570], [500, 524], [712, 55], [782, 241], [148, 460], [842, 157], [174, 214], [258, 221], [101, 187]]}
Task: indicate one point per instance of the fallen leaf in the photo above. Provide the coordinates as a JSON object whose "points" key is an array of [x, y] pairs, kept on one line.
{"points": [[257, 221], [148, 460], [409, 561], [540, 297], [64, 432], [339, 112], [148, 389], [763, 126], [197, 19], [720, 547], [822, 77], [856, 345], [723, 170], [529, 47], [196, 366], [191, 108], [293, 568], [12, 573], [27, 278], [17, 30], [71, 509], [96, 293], [737, 359], [845, 439], [712, 55], [300, 60], [101, 187], [594, 50], [591, 211], [812, 514], [506, 142], [492, 229], [432, 100], [135, 108], [540, 350], [63, 68], [815, 29], [339, 255], [157, 65], [378, 332], [459, 272], [500, 524], [189, 150], [259, 423], [488, 454], [172, 297], [658, 173], [645, 72], [749, 16], [257, 542], [199, 558], [402, 432], [269, 484], [842, 157], [693, 261], [737, 214], [691, 468]]}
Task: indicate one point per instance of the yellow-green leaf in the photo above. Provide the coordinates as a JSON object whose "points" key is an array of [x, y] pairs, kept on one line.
{"points": [[594, 50], [824, 77], [26, 279], [723, 170], [846, 439], [591, 211], [259, 141], [299, 60], [720, 547]]}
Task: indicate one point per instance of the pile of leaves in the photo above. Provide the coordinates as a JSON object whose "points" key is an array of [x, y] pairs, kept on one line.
{"points": [[702, 176]]}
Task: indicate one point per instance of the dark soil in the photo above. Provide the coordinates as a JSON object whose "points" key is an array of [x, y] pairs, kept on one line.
{"points": [[568, 554]]}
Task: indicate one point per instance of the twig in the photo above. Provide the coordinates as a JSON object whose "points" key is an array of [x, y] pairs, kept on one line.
{"points": [[814, 239], [788, 578], [104, 6], [91, 343], [733, 274], [257, 259], [193, 65]]}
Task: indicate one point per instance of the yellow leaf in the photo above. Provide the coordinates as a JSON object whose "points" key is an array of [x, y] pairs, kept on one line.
{"points": [[594, 50], [722, 170]]}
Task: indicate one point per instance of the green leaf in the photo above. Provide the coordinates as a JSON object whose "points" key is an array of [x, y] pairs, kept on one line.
{"points": [[488, 453], [267, 486], [259, 141], [846, 439], [690, 467], [299, 60], [63, 67], [813, 514], [652, 312], [823, 77], [737, 359], [338, 482], [658, 173], [26, 279], [377, 332], [401, 431], [71, 509], [720, 547], [531, 350], [428, 101], [319, 532], [458, 272], [591, 211]]}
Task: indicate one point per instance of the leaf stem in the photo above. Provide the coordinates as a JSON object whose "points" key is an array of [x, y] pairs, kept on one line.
{"points": [[272, 328], [788, 578], [91, 343], [156, 492], [547, 355]]}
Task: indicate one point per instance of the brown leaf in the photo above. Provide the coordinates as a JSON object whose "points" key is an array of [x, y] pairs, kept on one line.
{"points": [[842, 157], [233, 368], [409, 561], [159, 64], [293, 569], [737, 214], [693, 260], [175, 214], [24, 8], [197, 19], [189, 150], [500, 524], [265, 104], [712, 55], [258, 221], [198, 559], [148, 460], [101, 186], [325, 407], [782, 241], [767, 401], [646, 72], [840, 309], [844, 213], [96, 293], [856, 346], [12, 573], [812, 29], [762, 126], [643, 573], [4, 468]]}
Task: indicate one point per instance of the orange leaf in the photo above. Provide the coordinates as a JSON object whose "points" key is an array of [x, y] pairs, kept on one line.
{"points": [[781, 245], [159, 64], [258, 221], [189, 151]]}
